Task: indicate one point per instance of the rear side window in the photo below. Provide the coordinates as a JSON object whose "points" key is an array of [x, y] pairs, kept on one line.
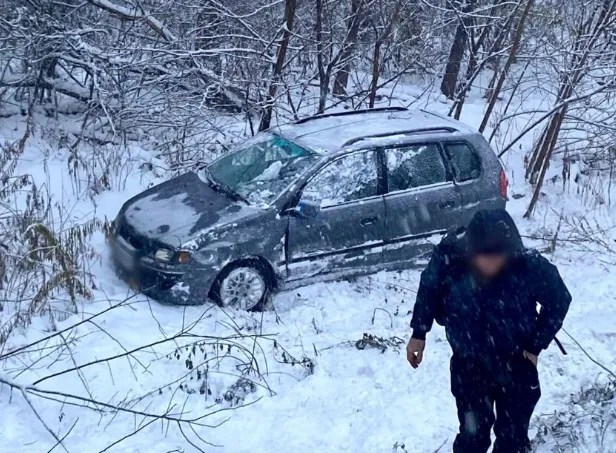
{"points": [[464, 161], [414, 166]]}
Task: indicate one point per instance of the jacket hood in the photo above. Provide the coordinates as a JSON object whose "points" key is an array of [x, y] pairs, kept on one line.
{"points": [[181, 209], [493, 231]]}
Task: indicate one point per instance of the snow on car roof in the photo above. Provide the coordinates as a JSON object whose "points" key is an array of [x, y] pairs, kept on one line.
{"points": [[329, 133]]}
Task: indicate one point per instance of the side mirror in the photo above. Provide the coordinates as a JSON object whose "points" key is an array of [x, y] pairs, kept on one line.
{"points": [[308, 208]]}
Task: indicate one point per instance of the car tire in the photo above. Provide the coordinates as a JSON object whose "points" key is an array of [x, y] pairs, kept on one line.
{"points": [[228, 284]]}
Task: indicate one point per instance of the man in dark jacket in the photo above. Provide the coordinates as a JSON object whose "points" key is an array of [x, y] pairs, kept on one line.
{"points": [[483, 286]]}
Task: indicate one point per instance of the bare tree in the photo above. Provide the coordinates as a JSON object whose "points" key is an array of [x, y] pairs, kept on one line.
{"points": [[456, 54], [381, 36], [287, 26], [353, 25], [492, 27], [592, 43], [495, 93]]}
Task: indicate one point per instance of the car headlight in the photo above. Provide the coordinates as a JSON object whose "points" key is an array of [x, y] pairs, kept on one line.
{"points": [[163, 255]]}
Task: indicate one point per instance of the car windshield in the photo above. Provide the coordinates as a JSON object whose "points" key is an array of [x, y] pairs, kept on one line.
{"points": [[263, 169]]}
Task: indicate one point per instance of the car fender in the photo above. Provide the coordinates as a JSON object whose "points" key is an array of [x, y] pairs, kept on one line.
{"points": [[262, 238]]}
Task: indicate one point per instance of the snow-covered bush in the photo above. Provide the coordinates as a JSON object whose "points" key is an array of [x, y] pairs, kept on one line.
{"points": [[587, 425], [42, 255]]}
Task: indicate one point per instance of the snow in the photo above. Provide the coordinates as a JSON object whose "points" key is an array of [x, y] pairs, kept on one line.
{"points": [[153, 210], [353, 400], [270, 172]]}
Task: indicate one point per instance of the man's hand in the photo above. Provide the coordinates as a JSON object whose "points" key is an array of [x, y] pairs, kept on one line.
{"points": [[414, 351], [533, 358]]}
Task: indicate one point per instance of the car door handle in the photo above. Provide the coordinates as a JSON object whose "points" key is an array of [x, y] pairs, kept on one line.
{"points": [[447, 204], [368, 221]]}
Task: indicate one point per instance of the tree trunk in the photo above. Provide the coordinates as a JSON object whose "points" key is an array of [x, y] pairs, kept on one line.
{"points": [[342, 76], [289, 16], [498, 46], [510, 59], [544, 152], [474, 68], [456, 54], [376, 71], [323, 73], [470, 72]]}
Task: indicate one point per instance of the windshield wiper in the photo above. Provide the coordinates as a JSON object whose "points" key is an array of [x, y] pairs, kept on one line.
{"points": [[223, 188]]}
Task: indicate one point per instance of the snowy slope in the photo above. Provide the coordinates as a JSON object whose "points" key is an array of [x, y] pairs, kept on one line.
{"points": [[338, 398]]}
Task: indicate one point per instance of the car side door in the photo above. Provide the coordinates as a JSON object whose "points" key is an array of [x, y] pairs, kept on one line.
{"points": [[348, 231], [421, 199]]}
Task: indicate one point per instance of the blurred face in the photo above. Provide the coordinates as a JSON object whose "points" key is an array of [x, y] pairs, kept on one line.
{"points": [[489, 265]]}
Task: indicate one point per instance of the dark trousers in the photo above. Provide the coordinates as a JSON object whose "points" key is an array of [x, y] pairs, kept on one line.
{"points": [[513, 391]]}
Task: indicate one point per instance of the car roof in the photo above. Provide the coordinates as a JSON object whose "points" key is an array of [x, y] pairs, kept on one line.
{"points": [[331, 132]]}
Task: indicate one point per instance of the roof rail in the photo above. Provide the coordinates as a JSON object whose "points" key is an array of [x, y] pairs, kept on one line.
{"points": [[438, 115], [457, 123], [406, 132], [351, 112]]}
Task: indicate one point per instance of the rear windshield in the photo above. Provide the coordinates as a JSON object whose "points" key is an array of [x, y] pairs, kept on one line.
{"points": [[262, 169]]}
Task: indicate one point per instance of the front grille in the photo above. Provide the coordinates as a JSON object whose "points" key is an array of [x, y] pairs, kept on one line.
{"points": [[143, 245], [122, 229], [135, 242], [149, 278]]}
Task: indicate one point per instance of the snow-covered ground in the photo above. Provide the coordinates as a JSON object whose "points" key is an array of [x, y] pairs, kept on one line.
{"points": [[310, 387]]}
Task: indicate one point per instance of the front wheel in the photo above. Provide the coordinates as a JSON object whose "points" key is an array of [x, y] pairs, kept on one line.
{"points": [[244, 285]]}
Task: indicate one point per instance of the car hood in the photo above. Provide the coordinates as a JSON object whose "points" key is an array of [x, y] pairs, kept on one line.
{"points": [[181, 209]]}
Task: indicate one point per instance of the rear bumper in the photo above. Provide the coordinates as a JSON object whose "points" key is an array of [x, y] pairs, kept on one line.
{"points": [[172, 284]]}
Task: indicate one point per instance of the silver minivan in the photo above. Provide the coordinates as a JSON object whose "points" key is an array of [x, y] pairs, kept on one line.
{"points": [[329, 196]]}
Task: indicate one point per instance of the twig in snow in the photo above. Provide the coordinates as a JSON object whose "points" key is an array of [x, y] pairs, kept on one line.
{"points": [[22, 390], [391, 321], [65, 436], [596, 362], [442, 445]]}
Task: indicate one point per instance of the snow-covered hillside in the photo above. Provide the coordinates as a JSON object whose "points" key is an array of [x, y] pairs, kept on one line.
{"points": [[325, 370], [103, 99]]}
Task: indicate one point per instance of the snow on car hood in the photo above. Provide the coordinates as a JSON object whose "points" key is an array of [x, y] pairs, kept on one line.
{"points": [[181, 209]]}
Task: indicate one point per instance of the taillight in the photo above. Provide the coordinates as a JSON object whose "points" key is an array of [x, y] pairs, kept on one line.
{"points": [[503, 185]]}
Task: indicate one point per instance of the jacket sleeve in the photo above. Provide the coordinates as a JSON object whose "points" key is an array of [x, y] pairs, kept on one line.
{"points": [[552, 294], [429, 295]]}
